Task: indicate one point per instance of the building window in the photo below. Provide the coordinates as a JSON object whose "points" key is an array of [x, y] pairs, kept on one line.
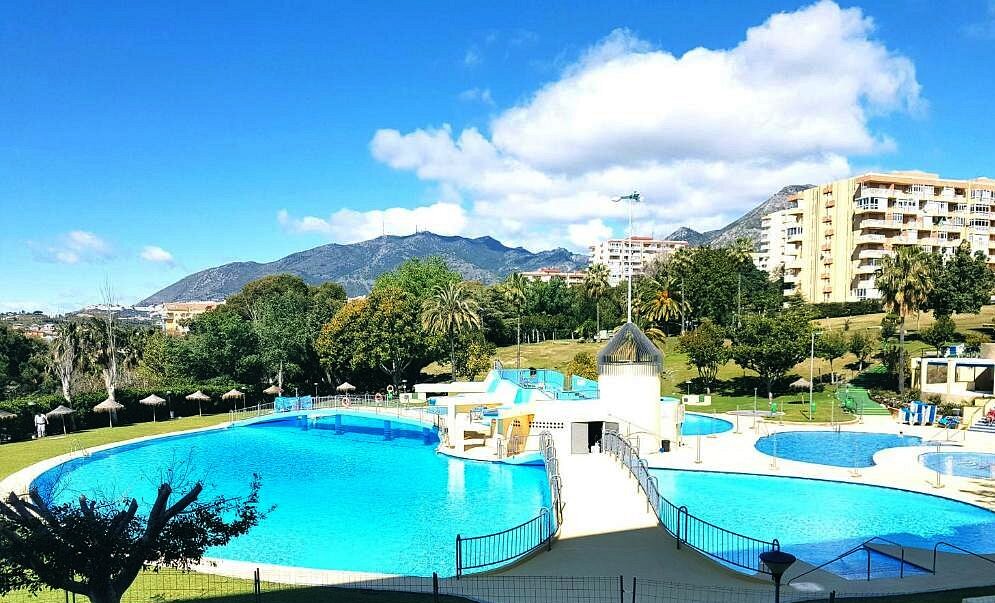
{"points": [[869, 203]]}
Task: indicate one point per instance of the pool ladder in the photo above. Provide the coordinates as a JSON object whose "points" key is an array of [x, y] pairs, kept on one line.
{"points": [[863, 546]]}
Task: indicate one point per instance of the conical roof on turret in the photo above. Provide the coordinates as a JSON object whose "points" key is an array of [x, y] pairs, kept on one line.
{"points": [[629, 346]]}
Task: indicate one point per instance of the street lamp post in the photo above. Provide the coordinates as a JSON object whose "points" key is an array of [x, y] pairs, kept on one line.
{"points": [[778, 562], [316, 390], [811, 378], [688, 383], [632, 197]]}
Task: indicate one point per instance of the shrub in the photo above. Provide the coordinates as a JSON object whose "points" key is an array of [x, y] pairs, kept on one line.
{"points": [[838, 309]]}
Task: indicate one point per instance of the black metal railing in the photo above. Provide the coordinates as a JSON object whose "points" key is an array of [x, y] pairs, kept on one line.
{"points": [[863, 546], [490, 551], [937, 546], [689, 530]]}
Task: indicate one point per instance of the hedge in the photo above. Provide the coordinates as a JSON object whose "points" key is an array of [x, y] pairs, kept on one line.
{"points": [[838, 309], [25, 408]]}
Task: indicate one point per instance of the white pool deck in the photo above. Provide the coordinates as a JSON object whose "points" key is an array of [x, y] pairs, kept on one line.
{"points": [[608, 530]]}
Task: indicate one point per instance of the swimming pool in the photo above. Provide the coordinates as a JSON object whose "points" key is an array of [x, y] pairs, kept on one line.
{"points": [[964, 464], [695, 424], [818, 520], [347, 499], [835, 448]]}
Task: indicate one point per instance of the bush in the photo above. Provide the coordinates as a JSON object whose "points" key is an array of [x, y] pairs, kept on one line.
{"points": [[838, 309], [582, 365], [940, 333]]}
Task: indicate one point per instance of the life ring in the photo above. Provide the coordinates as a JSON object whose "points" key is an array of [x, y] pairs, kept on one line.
{"points": [[378, 397], [345, 402], [390, 389]]}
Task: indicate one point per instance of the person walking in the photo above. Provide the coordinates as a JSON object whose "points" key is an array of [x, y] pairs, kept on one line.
{"points": [[41, 423]]}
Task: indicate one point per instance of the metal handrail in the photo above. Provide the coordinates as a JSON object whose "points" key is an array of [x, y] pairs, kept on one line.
{"points": [[961, 549], [686, 528], [490, 550], [863, 546]]}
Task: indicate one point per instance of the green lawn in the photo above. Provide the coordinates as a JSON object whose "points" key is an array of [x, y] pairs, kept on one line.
{"points": [[18, 455]]}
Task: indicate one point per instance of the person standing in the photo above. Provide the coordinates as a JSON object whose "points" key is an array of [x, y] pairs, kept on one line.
{"points": [[41, 423]]}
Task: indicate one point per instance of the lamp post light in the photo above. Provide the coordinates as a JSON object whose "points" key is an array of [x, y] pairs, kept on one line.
{"points": [[169, 403], [688, 383], [778, 562], [811, 378], [316, 390], [754, 409], [632, 197]]}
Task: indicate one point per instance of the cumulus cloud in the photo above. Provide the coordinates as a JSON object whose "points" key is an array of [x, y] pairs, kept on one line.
{"points": [[73, 247], [157, 255], [704, 136], [349, 225]]}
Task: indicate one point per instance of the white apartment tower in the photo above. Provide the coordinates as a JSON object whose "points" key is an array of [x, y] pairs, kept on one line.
{"points": [[619, 254]]}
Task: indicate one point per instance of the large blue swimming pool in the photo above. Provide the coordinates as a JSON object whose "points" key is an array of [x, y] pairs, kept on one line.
{"points": [[839, 449], [695, 424], [965, 464], [347, 499], [818, 520]]}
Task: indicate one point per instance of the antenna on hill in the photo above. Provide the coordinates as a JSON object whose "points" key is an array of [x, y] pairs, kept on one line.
{"points": [[383, 227]]}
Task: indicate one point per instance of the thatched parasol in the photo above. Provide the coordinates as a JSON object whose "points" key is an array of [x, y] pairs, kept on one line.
{"points": [[273, 390], [200, 397], [60, 411], [800, 383], [346, 387], [233, 394], [6, 415], [152, 401], [109, 406]]}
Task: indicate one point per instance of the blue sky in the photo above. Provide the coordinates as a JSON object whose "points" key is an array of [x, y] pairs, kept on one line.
{"points": [[139, 143]]}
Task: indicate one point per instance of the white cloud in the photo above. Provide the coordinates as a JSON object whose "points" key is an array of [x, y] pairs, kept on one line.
{"points": [[73, 247], [157, 255], [348, 225], [704, 136], [472, 57], [482, 95], [984, 28], [588, 233]]}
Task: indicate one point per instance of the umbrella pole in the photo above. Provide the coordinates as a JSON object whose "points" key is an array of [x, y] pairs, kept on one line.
{"points": [[153, 413], [110, 418], [200, 413], [64, 430]]}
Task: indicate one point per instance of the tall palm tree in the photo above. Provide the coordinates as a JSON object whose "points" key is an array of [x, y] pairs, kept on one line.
{"points": [[450, 311], [514, 291], [99, 346], [905, 280], [657, 302], [596, 285], [66, 356], [741, 250]]}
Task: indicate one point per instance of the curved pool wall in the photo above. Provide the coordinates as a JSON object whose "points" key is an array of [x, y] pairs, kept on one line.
{"points": [[697, 424], [852, 449], [817, 520], [350, 494], [977, 465]]}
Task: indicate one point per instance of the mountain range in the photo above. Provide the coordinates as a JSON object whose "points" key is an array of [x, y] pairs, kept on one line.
{"points": [[747, 226], [357, 265]]}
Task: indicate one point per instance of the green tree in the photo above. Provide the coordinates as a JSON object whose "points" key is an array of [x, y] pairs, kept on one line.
{"points": [[66, 354], [771, 345], [905, 280], [889, 326], [582, 365], [161, 362], [706, 350], [595, 286], [474, 357], [393, 341], [861, 345], [419, 277], [338, 341], [515, 290], [97, 548], [450, 312], [973, 342], [221, 343], [830, 346], [940, 333], [247, 301], [963, 282]]}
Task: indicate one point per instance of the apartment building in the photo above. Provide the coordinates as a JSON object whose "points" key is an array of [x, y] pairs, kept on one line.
{"points": [[547, 274], [619, 254], [771, 246], [175, 313], [836, 234]]}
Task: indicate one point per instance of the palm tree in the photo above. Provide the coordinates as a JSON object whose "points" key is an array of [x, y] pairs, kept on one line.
{"points": [[905, 281], [596, 285], [66, 357], [450, 311], [657, 302], [98, 342], [741, 251], [514, 290]]}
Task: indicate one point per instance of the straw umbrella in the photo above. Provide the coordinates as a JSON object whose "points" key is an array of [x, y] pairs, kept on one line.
{"points": [[60, 411], [232, 394], [346, 387], [109, 406], [152, 401], [800, 383], [200, 397], [6, 415], [273, 390]]}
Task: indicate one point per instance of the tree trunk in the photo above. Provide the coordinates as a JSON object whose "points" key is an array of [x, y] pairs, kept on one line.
{"points": [[106, 595], [518, 340], [901, 356], [452, 353], [597, 312]]}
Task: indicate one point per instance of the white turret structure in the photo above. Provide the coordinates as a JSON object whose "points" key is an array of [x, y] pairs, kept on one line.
{"points": [[629, 383]]}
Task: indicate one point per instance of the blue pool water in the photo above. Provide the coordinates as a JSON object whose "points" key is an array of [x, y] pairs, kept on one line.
{"points": [[964, 464], [818, 520], [695, 424], [839, 449], [351, 501]]}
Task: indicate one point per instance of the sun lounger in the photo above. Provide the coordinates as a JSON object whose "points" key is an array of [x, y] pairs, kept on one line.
{"points": [[928, 414]]}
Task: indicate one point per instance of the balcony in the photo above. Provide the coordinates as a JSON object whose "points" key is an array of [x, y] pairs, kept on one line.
{"points": [[827, 219], [825, 276], [876, 223], [870, 254], [866, 269], [795, 211], [868, 191], [798, 237], [950, 227], [864, 239], [830, 203], [827, 289], [791, 278], [866, 208], [826, 247]]}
